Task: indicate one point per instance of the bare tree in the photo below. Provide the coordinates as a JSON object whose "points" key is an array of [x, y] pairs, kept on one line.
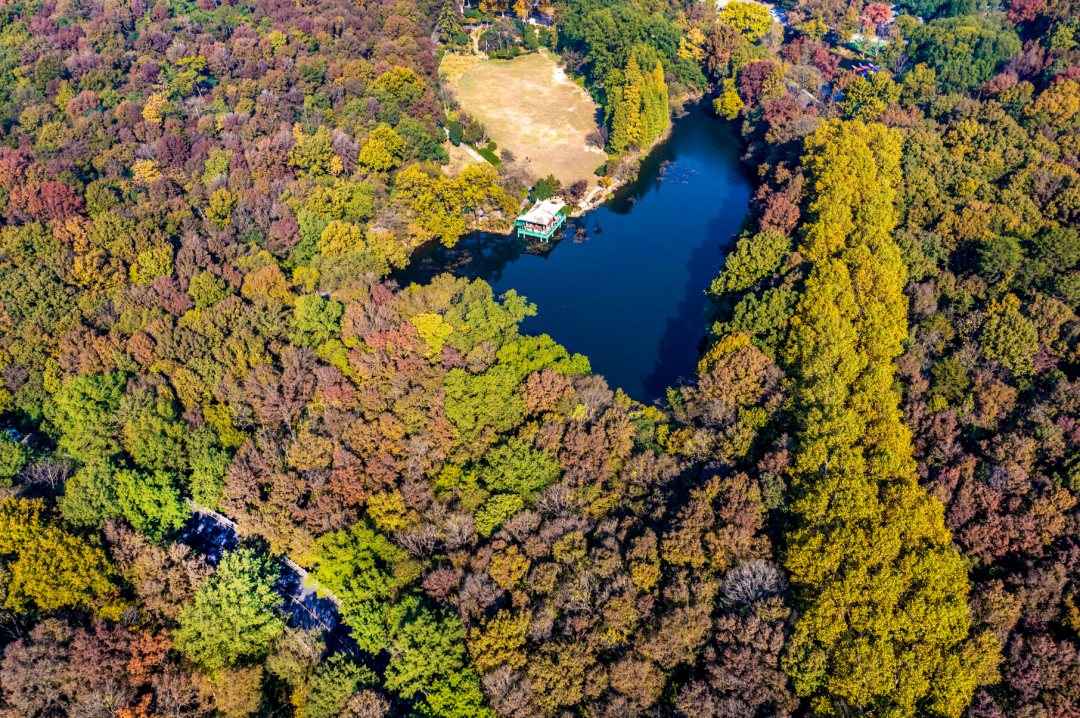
{"points": [[509, 693], [573, 59], [458, 531], [577, 191], [367, 704], [47, 472], [102, 702], [597, 137], [522, 524], [752, 581], [179, 695], [419, 541], [557, 499]]}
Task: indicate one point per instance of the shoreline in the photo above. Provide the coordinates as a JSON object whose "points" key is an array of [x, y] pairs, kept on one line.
{"points": [[599, 195], [638, 157]]}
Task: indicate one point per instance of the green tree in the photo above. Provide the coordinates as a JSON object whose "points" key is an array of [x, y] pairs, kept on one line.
{"points": [[456, 696], [637, 109], [457, 133], [358, 566], [488, 320], [515, 467], [965, 51], [207, 290], [496, 511], [950, 384], [449, 21], [488, 399], [1012, 339], [545, 187], [528, 354], [765, 318], [999, 257], [426, 647], [84, 409], [151, 430], [233, 615], [90, 496], [316, 320], [334, 683], [13, 457], [151, 502], [755, 258], [919, 85]]}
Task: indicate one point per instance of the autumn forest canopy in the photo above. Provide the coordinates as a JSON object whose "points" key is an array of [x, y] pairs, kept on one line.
{"points": [[863, 504]]}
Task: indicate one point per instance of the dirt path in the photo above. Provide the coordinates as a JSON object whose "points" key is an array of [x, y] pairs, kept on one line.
{"points": [[586, 203], [472, 153], [475, 37]]}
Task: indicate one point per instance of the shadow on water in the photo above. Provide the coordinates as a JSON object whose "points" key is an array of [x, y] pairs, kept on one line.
{"points": [[629, 293]]}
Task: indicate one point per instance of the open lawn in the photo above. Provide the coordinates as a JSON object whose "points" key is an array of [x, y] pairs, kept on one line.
{"points": [[532, 108]]}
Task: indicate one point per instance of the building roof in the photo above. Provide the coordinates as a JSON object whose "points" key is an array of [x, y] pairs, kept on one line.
{"points": [[542, 212]]}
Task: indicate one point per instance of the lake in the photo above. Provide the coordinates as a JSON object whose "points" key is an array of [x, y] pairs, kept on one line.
{"points": [[630, 296]]}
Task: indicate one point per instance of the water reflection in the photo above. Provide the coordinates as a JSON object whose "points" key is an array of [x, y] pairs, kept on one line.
{"points": [[625, 284]]}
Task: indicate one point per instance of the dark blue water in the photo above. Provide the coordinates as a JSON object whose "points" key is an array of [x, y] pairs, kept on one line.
{"points": [[630, 296]]}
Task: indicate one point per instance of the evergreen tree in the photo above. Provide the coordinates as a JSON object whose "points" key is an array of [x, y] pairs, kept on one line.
{"points": [[637, 106], [449, 22], [655, 107]]}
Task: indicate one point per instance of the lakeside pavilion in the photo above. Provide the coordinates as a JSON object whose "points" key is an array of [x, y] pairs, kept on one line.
{"points": [[542, 220]]}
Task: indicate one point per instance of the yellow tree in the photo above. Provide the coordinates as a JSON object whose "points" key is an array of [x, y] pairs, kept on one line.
{"points": [[404, 84], [383, 151], [750, 18], [51, 568], [729, 103], [626, 117], [435, 204], [341, 237], [313, 155], [884, 627], [690, 46]]}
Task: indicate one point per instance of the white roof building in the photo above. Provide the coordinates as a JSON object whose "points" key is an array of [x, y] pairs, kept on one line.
{"points": [[542, 212]]}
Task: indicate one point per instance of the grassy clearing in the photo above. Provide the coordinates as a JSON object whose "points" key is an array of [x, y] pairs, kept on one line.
{"points": [[531, 107], [453, 66], [459, 160]]}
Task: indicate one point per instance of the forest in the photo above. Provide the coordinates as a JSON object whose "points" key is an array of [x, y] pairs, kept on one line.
{"points": [[864, 504]]}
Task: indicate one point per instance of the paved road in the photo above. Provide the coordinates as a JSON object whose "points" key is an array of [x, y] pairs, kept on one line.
{"points": [[212, 535]]}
